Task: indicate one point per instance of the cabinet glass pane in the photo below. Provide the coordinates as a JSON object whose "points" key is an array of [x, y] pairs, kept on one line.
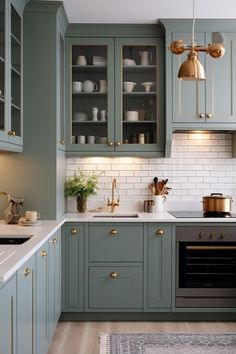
{"points": [[2, 63], [139, 94], [89, 94], [15, 72]]}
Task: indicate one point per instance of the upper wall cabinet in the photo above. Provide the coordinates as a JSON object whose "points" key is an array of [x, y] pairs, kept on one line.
{"points": [[11, 75], [208, 104], [115, 91]]}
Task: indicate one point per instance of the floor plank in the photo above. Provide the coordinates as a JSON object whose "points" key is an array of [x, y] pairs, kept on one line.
{"points": [[82, 337]]}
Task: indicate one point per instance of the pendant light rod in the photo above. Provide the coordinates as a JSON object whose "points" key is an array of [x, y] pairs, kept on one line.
{"points": [[193, 25]]}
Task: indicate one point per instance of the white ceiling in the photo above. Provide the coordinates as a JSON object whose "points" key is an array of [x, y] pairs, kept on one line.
{"points": [[145, 11]]}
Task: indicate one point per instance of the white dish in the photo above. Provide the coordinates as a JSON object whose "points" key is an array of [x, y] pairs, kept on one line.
{"points": [[79, 116], [128, 62], [99, 61]]}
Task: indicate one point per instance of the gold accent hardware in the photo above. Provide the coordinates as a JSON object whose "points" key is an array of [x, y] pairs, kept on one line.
{"points": [[160, 232], [62, 141], [113, 203], [73, 232], [114, 232], [222, 235], [200, 235], [114, 275], [12, 133], [44, 254], [110, 143], [209, 115], [211, 248], [27, 272], [118, 143], [212, 234], [54, 240], [201, 115]]}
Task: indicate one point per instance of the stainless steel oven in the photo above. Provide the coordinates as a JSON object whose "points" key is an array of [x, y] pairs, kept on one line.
{"points": [[206, 266]]}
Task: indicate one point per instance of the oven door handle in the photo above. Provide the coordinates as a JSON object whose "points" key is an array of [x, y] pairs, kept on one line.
{"points": [[211, 247]]}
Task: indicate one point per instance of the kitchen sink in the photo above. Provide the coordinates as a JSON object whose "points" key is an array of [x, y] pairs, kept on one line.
{"points": [[14, 239], [115, 216]]}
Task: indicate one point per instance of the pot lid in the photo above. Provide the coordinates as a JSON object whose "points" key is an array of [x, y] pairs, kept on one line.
{"points": [[218, 196]]}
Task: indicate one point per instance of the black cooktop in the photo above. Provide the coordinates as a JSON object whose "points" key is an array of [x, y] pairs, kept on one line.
{"points": [[200, 214]]}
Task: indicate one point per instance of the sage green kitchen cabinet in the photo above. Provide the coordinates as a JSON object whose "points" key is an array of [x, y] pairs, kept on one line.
{"points": [[8, 317], [73, 267], [11, 75], [54, 282], [113, 132], [41, 300], [202, 105], [158, 270], [25, 279]]}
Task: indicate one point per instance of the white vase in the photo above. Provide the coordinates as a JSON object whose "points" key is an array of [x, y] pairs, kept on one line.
{"points": [[158, 203]]}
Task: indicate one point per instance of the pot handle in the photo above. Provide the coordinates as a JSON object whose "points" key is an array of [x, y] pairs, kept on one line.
{"points": [[216, 194]]}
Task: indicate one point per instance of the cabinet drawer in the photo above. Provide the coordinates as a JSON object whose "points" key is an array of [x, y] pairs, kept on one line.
{"points": [[115, 287], [115, 243]]}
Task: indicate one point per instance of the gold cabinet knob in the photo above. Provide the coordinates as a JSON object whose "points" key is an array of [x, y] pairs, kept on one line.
{"points": [[12, 133], [54, 240], [209, 115], [73, 232], [160, 232], [110, 143], [44, 254], [201, 115], [114, 232], [200, 235], [62, 142], [212, 234], [222, 235], [27, 272], [114, 275], [118, 143]]}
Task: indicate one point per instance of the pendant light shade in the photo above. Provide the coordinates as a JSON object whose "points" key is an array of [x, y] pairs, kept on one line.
{"points": [[191, 68]]}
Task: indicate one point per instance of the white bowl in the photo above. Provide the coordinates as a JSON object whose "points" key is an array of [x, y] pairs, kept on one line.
{"points": [[147, 85], [128, 86], [131, 116], [128, 62], [80, 116], [99, 61]]}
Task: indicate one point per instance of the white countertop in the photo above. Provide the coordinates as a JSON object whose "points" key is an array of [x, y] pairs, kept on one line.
{"points": [[12, 257]]}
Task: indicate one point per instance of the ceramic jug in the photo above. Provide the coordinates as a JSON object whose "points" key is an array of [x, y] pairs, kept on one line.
{"points": [[89, 86], [145, 58]]}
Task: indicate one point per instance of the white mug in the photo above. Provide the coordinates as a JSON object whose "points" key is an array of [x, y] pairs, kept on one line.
{"points": [[80, 139], [103, 86], [76, 86], [32, 215], [81, 60], [89, 86]]}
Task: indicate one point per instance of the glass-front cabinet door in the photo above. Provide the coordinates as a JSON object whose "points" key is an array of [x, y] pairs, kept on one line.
{"points": [[139, 107], [2, 69], [91, 87]]}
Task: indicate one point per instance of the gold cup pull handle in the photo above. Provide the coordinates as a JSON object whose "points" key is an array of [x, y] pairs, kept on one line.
{"points": [[160, 232], [212, 234], [73, 232], [114, 275], [27, 272], [114, 232], [44, 253]]}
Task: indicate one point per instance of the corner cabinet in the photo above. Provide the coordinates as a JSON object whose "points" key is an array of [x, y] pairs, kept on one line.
{"points": [[115, 91], [11, 75], [202, 105]]}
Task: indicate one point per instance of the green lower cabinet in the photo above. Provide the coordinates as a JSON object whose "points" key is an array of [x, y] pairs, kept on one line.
{"points": [[8, 317], [54, 282], [115, 287], [159, 267], [41, 300], [73, 268], [25, 311]]}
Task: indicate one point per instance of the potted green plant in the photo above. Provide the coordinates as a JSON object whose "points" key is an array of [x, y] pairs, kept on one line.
{"points": [[81, 185]]}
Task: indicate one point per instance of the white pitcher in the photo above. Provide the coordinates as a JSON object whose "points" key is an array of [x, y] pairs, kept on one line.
{"points": [[145, 58]]}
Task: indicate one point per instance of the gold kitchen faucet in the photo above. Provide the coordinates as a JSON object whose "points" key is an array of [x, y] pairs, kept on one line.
{"points": [[113, 203]]}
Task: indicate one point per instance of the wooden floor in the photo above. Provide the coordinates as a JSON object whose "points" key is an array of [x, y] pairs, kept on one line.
{"points": [[82, 337]]}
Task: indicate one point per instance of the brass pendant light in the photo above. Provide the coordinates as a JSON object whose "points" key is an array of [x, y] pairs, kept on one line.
{"points": [[192, 68]]}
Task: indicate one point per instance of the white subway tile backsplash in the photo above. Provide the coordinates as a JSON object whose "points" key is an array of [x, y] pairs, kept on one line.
{"points": [[199, 165]]}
